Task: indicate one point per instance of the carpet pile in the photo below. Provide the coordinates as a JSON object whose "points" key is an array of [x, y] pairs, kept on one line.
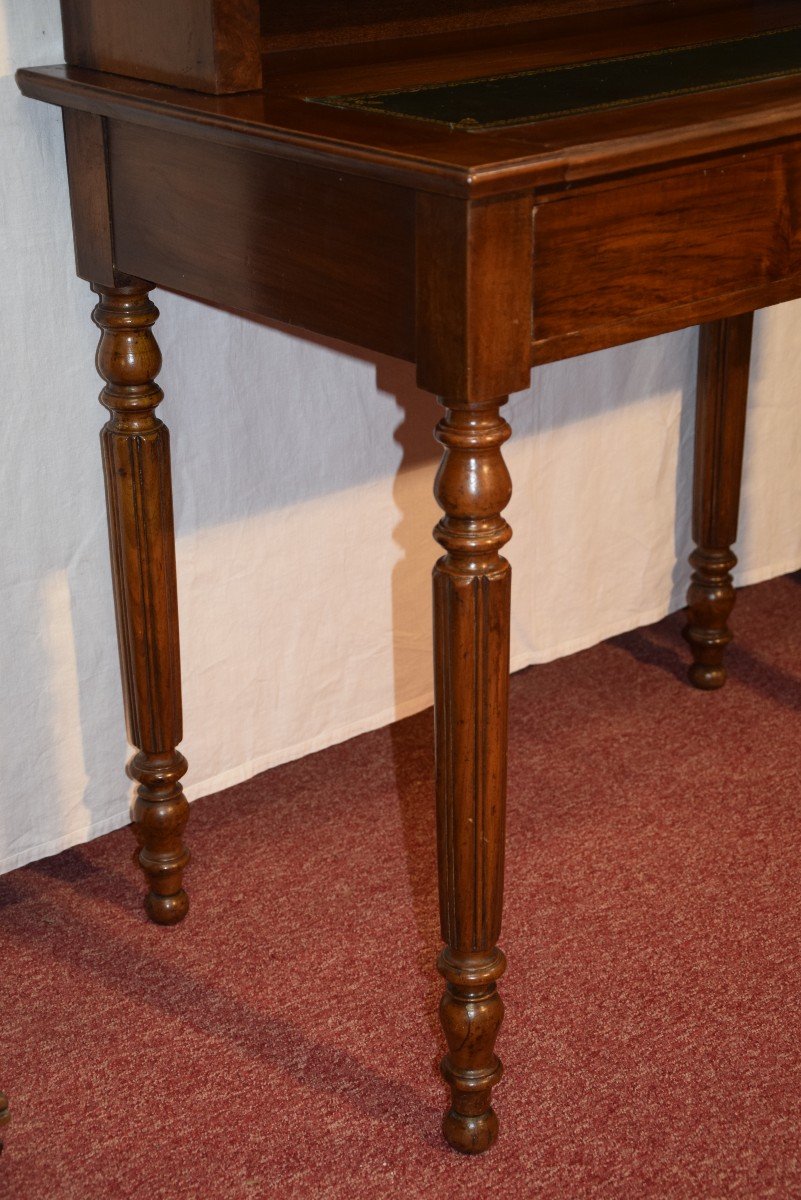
{"points": [[283, 1041]]}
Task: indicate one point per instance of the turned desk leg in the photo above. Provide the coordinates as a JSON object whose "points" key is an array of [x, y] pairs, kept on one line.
{"points": [[471, 628], [136, 460], [723, 366]]}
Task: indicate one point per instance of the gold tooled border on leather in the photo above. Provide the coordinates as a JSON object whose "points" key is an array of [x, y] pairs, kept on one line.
{"points": [[370, 101]]}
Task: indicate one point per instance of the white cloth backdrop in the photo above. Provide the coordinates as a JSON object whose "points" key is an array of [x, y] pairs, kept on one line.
{"points": [[302, 475]]}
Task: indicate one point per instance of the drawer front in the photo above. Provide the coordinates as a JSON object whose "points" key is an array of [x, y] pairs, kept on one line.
{"points": [[658, 253]]}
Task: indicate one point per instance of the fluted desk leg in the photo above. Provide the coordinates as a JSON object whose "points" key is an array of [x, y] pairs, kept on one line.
{"points": [[723, 367], [471, 621], [136, 459]]}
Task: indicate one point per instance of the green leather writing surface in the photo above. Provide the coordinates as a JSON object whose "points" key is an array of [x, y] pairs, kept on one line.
{"points": [[542, 94]]}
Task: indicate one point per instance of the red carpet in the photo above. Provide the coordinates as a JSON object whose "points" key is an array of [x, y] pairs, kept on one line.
{"points": [[282, 1042]]}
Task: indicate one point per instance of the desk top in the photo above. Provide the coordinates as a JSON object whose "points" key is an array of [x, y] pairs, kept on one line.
{"points": [[590, 86], [287, 117]]}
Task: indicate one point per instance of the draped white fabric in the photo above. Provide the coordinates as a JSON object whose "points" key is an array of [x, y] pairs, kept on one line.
{"points": [[302, 474]]}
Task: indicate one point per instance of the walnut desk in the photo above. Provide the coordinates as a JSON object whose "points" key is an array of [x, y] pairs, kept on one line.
{"points": [[477, 188]]}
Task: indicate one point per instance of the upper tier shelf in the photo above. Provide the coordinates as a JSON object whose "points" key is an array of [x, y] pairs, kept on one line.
{"points": [[572, 99], [216, 45]]}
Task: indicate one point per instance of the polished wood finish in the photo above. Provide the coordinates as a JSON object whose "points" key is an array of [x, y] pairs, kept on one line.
{"points": [[216, 46], [565, 155], [473, 304], [617, 256], [473, 256], [473, 332], [331, 22], [136, 462], [211, 45], [472, 590], [87, 166], [293, 225], [723, 367]]}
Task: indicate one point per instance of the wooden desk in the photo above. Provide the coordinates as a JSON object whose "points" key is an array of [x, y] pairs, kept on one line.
{"points": [[474, 249]]}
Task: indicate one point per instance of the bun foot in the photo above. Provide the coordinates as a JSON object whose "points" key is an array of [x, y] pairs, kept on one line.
{"points": [[471, 1012], [706, 679], [470, 1135], [167, 910]]}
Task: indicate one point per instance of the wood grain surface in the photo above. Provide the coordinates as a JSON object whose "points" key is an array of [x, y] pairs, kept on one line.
{"points": [[211, 45], [136, 463], [327, 252], [614, 255]]}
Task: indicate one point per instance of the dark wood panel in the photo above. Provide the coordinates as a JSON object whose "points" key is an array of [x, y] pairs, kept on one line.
{"points": [[473, 301], [211, 45], [321, 22], [327, 252], [84, 139], [617, 260]]}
